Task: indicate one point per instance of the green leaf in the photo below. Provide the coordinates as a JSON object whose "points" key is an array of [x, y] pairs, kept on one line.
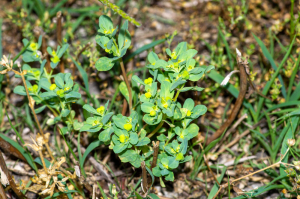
{"points": [[104, 64], [128, 155], [48, 94], [40, 109], [123, 89], [38, 160], [147, 107], [133, 138], [170, 176], [189, 104], [177, 83], [90, 109], [73, 94], [59, 80], [120, 147], [198, 110], [152, 57], [65, 112], [144, 141], [105, 135], [156, 171], [137, 80], [173, 163], [20, 90]]}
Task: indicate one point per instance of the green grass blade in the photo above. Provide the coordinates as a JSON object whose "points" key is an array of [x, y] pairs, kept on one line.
{"points": [[272, 62], [1, 37], [26, 155], [143, 48], [83, 74], [57, 7], [15, 130], [285, 104], [215, 188], [292, 123], [102, 192], [88, 150], [227, 48], [296, 94], [259, 191], [291, 80], [269, 83]]}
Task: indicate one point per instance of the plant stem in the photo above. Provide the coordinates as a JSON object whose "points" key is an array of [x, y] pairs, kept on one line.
{"points": [[127, 84], [157, 128], [177, 94], [59, 38], [155, 153], [31, 105], [43, 161]]}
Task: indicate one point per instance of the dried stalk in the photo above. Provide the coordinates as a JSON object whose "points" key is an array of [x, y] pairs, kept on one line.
{"points": [[45, 53], [238, 103], [251, 174], [144, 178], [11, 181], [127, 84], [31, 105], [206, 162], [2, 193], [155, 154]]}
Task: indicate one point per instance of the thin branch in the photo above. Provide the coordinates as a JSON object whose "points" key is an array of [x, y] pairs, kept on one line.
{"points": [[127, 84], [238, 103], [10, 180], [59, 37]]}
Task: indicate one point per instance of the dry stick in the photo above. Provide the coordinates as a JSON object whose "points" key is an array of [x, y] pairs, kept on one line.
{"points": [[31, 105], [7, 147], [236, 139], [229, 131], [59, 38], [44, 52], [2, 193], [124, 109], [10, 180], [144, 177], [96, 164], [127, 84], [251, 174], [206, 162], [237, 105], [155, 153]]}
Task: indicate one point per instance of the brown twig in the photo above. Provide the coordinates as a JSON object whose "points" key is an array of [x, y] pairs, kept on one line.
{"points": [[144, 178], [31, 105], [124, 109], [2, 193], [206, 162], [59, 38], [251, 174], [155, 153], [10, 180], [45, 53], [238, 103], [7, 147], [127, 84], [229, 131]]}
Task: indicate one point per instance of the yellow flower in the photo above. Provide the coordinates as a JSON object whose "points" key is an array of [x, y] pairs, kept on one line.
{"points": [[34, 88], [127, 127], [33, 46], [148, 81], [148, 95], [55, 59], [181, 135], [189, 113], [166, 166], [100, 110], [67, 88], [60, 93], [96, 122], [122, 138], [53, 87], [152, 113]]}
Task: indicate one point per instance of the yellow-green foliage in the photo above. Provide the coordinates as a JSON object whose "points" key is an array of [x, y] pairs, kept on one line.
{"points": [[116, 9]]}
